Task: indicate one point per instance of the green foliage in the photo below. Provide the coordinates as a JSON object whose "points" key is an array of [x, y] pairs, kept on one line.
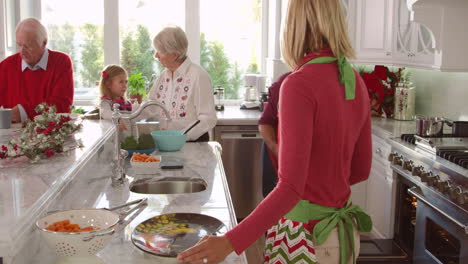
{"points": [[137, 52], [129, 143], [61, 38], [136, 84], [144, 59], [236, 78], [129, 52], [78, 110], [145, 141], [92, 56], [204, 52]]}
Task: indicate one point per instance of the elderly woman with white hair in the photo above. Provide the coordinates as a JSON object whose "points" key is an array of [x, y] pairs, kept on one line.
{"points": [[184, 88]]}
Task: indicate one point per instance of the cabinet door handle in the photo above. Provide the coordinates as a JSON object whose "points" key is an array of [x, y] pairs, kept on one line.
{"points": [[378, 151], [388, 53]]}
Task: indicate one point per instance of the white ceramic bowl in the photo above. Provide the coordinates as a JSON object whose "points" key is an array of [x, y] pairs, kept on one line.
{"points": [[146, 167], [83, 243]]}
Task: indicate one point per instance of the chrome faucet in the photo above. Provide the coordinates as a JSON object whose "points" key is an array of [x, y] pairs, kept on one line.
{"points": [[118, 163]]}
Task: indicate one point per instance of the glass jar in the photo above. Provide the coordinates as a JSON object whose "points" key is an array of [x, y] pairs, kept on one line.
{"points": [[405, 95]]}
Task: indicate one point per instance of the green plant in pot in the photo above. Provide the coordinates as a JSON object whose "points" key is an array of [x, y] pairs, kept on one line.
{"points": [[136, 87]]}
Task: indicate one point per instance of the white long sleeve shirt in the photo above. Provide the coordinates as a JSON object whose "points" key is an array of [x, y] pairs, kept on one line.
{"points": [[188, 95]]}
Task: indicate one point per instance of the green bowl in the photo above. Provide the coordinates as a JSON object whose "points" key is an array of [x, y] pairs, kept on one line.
{"points": [[169, 140]]}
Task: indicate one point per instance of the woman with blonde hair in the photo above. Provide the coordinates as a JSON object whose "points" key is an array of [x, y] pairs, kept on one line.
{"points": [[324, 148]]}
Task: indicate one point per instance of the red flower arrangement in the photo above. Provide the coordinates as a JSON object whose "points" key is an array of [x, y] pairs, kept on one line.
{"points": [[42, 137], [381, 84]]}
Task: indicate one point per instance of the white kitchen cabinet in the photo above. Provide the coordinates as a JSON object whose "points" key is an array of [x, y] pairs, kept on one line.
{"points": [[380, 190], [371, 30], [414, 43]]}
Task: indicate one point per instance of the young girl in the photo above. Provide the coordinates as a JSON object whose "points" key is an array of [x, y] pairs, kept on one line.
{"points": [[113, 85]]}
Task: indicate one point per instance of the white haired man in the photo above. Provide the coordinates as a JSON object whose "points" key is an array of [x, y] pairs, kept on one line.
{"points": [[35, 74]]}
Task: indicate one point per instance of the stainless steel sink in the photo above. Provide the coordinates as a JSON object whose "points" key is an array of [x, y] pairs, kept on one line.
{"points": [[168, 185]]}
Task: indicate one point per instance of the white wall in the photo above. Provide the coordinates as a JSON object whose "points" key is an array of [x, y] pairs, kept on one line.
{"points": [[441, 94]]}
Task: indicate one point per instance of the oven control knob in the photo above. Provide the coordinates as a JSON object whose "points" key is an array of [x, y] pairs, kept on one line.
{"points": [[398, 160], [433, 180], [391, 156], [425, 176], [408, 165], [455, 192], [417, 171], [442, 186], [463, 198]]}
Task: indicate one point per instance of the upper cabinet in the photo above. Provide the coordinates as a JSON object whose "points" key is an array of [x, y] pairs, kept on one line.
{"points": [[414, 43], [447, 23], [417, 33], [371, 29]]}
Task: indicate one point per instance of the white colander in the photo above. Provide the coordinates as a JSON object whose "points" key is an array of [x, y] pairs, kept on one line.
{"points": [[69, 244]]}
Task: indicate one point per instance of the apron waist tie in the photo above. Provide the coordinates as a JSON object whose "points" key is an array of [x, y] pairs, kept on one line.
{"points": [[304, 211]]}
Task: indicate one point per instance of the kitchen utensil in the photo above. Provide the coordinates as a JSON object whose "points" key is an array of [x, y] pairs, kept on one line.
{"points": [[84, 243], [169, 234], [429, 126], [250, 94], [459, 128], [191, 126], [169, 140], [219, 97]]}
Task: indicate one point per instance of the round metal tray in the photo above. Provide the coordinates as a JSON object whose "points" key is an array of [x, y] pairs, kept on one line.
{"points": [[169, 234]]}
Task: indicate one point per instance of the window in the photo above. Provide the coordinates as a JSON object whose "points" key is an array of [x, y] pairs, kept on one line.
{"points": [[139, 22], [230, 42], [76, 28]]}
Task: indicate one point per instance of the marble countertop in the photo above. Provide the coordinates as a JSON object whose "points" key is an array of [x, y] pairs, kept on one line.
{"points": [[82, 179], [214, 201], [387, 128], [26, 189], [233, 115]]}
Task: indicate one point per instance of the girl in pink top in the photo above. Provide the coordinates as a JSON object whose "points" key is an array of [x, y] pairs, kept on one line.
{"points": [[324, 148]]}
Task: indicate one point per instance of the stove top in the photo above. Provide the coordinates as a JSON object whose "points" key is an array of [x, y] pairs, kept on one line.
{"points": [[453, 149]]}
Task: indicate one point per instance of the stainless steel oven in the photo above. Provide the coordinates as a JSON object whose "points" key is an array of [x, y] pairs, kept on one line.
{"points": [[435, 173]]}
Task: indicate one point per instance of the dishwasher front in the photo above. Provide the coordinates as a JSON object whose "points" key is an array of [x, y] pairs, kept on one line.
{"points": [[241, 157]]}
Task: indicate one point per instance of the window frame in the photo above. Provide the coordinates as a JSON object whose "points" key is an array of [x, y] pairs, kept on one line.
{"points": [[32, 8]]}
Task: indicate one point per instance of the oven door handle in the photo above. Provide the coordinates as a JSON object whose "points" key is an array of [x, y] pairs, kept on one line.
{"points": [[415, 192]]}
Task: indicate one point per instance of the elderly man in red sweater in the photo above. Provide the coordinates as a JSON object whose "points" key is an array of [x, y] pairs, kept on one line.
{"points": [[35, 74]]}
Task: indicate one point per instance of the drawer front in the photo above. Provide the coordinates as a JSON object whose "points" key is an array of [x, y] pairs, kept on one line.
{"points": [[380, 150]]}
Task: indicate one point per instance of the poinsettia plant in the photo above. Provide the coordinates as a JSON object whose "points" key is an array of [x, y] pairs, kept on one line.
{"points": [[42, 137], [381, 84]]}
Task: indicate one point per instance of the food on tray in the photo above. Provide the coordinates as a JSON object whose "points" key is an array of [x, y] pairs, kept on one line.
{"points": [[145, 141], [164, 225], [137, 157], [66, 226]]}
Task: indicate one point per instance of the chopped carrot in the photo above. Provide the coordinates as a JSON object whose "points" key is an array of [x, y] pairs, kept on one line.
{"points": [[65, 226], [137, 157]]}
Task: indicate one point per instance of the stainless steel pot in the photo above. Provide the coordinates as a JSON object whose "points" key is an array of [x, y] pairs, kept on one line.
{"points": [[429, 126], [459, 128]]}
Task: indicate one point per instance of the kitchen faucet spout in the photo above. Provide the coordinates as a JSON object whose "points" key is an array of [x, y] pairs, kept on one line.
{"points": [[118, 163]]}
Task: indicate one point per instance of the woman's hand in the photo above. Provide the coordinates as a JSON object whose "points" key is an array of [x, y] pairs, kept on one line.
{"points": [[209, 250]]}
